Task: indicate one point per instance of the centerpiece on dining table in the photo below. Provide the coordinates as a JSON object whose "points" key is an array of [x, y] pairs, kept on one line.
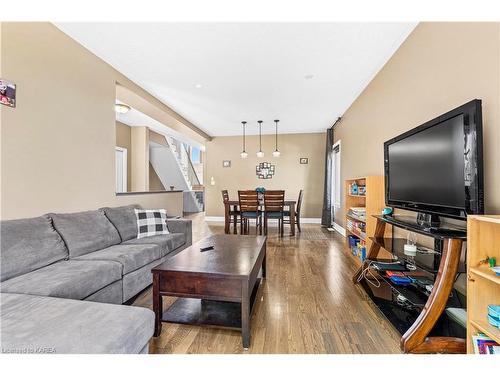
{"points": [[260, 192]]}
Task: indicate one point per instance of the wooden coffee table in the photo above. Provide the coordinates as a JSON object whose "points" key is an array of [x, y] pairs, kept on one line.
{"points": [[216, 287]]}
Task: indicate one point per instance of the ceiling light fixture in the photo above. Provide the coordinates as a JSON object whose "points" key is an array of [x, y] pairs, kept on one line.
{"points": [[276, 152], [244, 154], [260, 154], [309, 76], [121, 108], [198, 85]]}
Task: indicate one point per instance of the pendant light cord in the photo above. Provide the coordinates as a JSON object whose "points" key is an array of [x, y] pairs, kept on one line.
{"points": [[260, 136], [244, 123], [276, 142]]}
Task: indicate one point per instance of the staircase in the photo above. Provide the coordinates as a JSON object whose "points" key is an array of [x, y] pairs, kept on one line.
{"points": [[173, 166]]}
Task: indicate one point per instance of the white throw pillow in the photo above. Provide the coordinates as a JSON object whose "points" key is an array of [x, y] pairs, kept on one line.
{"points": [[151, 222]]}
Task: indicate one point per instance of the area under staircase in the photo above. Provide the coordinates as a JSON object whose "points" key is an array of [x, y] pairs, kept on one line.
{"points": [[173, 166]]}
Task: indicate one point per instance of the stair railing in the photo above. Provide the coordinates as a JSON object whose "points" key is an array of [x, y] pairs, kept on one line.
{"points": [[184, 160]]}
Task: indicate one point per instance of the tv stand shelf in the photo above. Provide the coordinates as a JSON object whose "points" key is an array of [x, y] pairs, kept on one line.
{"points": [[428, 262], [419, 315], [409, 223]]}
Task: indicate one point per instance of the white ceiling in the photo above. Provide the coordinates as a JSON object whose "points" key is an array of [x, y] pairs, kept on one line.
{"points": [[137, 118], [247, 71]]}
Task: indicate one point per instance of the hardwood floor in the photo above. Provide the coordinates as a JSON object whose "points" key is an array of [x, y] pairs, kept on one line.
{"points": [[307, 304]]}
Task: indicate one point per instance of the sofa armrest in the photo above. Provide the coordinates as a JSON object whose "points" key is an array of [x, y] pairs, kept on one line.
{"points": [[181, 226]]}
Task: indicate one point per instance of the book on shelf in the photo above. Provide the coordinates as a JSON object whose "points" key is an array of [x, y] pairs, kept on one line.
{"points": [[357, 212], [358, 209], [484, 345], [356, 228]]}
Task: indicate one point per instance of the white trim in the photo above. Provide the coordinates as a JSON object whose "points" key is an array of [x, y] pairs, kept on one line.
{"points": [[214, 218], [303, 220], [310, 220], [339, 229], [125, 167]]}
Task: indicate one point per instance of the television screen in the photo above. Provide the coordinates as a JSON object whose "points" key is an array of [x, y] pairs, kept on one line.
{"points": [[428, 167], [437, 167]]}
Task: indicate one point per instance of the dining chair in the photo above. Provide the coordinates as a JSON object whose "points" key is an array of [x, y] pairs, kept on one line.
{"points": [[234, 213], [274, 200], [297, 211], [249, 209]]}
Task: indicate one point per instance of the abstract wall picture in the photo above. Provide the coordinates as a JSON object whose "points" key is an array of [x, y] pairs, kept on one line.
{"points": [[265, 170], [226, 163], [7, 93], [304, 160]]}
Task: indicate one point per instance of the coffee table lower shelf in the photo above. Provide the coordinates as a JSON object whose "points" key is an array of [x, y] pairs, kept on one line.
{"points": [[204, 312]]}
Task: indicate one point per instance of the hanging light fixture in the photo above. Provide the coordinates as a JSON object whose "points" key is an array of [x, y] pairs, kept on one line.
{"points": [[260, 154], [276, 152], [244, 154]]}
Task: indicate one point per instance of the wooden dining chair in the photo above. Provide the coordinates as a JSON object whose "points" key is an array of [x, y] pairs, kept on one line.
{"points": [[274, 200], [249, 209], [234, 213], [286, 220]]}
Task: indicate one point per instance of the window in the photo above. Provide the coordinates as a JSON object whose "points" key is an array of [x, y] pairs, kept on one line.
{"points": [[336, 183], [195, 155]]}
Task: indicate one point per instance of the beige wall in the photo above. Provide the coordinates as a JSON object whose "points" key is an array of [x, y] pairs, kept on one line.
{"points": [[155, 183], [140, 158], [439, 67], [123, 139], [290, 175], [57, 145]]}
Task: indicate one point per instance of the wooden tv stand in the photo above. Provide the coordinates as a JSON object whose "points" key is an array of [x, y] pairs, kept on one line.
{"points": [[416, 339]]}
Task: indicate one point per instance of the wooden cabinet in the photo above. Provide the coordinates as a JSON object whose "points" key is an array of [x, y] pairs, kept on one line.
{"points": [[483, 286]]}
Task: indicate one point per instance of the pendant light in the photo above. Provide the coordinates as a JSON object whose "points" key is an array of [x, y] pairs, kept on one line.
{"points": [[276, 152], [260, 154], [244, 154]]}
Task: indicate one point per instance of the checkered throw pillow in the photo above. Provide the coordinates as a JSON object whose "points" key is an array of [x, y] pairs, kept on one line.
{"points": [[151, 222]]}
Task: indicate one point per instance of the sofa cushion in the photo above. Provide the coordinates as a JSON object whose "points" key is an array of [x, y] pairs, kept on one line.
{"points": [[124, 220], [184, 226], [84, 232], [131, 257], [151, 222], [167, 242], [54, 325], [29, 244], [75, 279]]}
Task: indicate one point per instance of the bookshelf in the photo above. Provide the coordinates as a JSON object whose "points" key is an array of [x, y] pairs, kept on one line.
{"points": [[483, 286], [373, 201]]}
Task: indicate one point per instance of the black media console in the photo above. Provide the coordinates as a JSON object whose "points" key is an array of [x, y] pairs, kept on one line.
{"points": [[417, 310]]}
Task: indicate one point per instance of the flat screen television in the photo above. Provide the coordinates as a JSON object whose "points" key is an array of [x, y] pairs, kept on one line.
{"points": [[437, 168]]}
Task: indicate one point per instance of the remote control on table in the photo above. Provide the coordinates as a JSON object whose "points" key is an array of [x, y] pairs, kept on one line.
{"points": [[211, 247]]}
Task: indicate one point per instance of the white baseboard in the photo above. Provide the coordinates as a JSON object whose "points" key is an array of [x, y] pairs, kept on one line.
{"points": [[310, 220], [304, 220], [339, 229], [214, 218]]}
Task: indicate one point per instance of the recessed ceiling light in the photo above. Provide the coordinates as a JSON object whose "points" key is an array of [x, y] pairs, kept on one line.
{"points": [[121, 108], [198, 85], [309, 76]]}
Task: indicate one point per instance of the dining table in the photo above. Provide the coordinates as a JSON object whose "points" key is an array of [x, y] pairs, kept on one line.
{"points": [[234, 203]]}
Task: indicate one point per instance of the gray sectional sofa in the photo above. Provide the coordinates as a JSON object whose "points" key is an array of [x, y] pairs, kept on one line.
{"points": [[54, 269]]}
